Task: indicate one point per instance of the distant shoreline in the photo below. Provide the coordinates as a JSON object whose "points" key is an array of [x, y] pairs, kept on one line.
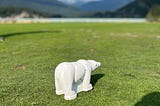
{"points": [[63, 20]]}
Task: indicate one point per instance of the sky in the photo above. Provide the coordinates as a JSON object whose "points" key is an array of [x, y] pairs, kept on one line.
{"points": [[74, 1]]}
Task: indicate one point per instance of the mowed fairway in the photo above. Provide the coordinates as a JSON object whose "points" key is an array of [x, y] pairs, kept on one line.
{"points": [[129, 53]]}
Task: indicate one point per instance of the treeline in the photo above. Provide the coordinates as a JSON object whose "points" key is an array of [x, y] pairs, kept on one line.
{"points": [[154, 13], [12, 11]]}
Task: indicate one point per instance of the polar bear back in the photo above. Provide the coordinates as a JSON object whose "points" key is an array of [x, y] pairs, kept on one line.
{"points": [[75, 69]]}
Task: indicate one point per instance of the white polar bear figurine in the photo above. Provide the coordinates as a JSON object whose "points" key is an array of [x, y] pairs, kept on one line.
{"points": [[74, 77]]}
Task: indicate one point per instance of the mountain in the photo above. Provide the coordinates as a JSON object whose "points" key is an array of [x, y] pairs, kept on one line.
{"points": [[136, 9], [104, 5], [55, 8], [78, 4], [15, 12], [44, 6]]}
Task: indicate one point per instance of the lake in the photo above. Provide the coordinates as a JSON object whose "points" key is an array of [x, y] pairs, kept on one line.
{"points": [[34, 20]]}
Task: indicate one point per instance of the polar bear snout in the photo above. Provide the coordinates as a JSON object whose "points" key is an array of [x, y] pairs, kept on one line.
{"points": [[99, 63]]}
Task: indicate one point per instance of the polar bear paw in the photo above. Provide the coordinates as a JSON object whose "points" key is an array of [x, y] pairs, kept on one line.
{"points": [[70, 96], [88, 88], [59, 92]]}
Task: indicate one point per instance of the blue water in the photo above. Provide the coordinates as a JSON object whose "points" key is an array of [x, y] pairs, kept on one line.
{"points": [[89, 19], [130, 20]]}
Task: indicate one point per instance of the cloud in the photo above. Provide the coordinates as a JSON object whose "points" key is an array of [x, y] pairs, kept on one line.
{"points": [[75, 1]]}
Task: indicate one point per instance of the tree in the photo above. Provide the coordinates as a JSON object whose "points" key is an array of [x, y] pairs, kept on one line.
{"points": [[154, 13]]}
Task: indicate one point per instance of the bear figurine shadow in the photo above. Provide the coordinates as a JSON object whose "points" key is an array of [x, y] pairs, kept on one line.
{"points": [[95, 78], [151, 99], [74, 77]]}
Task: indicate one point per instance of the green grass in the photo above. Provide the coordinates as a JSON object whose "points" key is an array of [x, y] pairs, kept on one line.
{"points": [[129, 53]]}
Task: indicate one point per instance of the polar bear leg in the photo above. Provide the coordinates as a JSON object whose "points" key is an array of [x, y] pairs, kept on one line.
{"points": [[70, 94], [59, 87], [86, 82]]}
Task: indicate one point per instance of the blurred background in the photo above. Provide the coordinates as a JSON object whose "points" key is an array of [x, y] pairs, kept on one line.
{"points": [[35, 9]]}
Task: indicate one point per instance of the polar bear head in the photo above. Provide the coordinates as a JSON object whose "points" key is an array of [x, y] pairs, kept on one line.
{"points": [[94, 64], [90, 64]]}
